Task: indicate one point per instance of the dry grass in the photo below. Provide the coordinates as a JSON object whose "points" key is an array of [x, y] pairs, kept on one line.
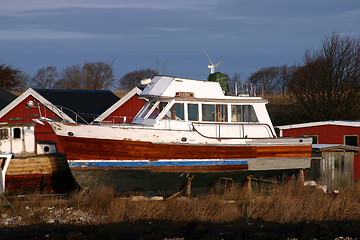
{"points": [[288, 203]]}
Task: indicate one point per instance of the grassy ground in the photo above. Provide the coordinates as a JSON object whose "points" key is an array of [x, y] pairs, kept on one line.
{"points": [[289, 203]]}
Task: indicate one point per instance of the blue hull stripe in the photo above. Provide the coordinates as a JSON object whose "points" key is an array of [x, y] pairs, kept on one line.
{"points": [[149, 164]]}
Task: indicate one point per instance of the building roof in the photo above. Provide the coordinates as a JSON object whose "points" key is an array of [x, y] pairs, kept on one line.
{"points": [[334, 147], [322, 123], [40, 99], [88, 104], [5, 98], [118, 104]]}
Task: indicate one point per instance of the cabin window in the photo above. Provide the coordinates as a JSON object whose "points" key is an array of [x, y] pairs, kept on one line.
{"points": [[193, 112], [208, 112], [213, 112], [243, 113], [146, 109], [176, 112], [17, 133], [158, 109], [4, 134], [351, 140]]}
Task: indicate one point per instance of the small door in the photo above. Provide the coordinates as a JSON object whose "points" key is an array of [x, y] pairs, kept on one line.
{"points": [[16, 140]]}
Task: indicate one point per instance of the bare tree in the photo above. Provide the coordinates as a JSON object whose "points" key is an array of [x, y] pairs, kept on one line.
{"points": [[90, 76], [10, 78], [285, 74], [267, 77], [98, 76], [71, 78], [24, 82], [132, 79], [45, 78], [327, 86]]}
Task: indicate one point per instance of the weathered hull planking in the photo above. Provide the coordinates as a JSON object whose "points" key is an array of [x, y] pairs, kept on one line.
{"points": [[40, 173], [132, 166], [77, 148]]}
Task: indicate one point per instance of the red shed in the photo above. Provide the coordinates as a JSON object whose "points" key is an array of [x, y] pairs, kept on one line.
{"points": [[35, 103], [19, 111], [328, 132], [124, 110]]}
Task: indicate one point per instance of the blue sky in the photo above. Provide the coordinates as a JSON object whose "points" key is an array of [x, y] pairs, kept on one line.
{"points": [[246, 34]]}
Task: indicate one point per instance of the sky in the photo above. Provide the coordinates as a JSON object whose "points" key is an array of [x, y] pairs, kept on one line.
{"points": [[167, 35]]}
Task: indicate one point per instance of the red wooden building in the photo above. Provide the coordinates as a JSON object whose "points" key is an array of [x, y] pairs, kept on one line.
{"points": [[328, 132], [124, 110]]}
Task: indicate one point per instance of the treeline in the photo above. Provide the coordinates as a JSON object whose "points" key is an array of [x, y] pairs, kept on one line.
{"points": [[88, 76]]}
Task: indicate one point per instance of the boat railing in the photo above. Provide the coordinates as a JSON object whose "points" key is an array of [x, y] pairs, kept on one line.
{"points": [[59, 110], [248, 89], [233, 130], [85, 118]]}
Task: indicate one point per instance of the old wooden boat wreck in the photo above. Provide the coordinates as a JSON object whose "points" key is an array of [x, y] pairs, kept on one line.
{"points": [[36, 166], [188, 128]]}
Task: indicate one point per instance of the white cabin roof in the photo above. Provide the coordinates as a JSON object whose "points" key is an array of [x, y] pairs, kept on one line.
{"points": [[164, 86]]}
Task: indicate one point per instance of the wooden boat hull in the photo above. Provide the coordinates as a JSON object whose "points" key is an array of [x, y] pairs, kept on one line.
{"points": [[161, 167], [39, 173]]}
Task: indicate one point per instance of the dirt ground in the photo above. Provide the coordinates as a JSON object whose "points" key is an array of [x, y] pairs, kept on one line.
{"points": [[178, 231]]}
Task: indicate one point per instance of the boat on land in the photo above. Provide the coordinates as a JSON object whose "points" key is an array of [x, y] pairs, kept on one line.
{"points": [[188, 129], [36, 166]]}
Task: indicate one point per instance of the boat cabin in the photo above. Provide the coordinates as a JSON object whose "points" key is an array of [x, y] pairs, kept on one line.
{"points": [[19, 139], [186, 104]]}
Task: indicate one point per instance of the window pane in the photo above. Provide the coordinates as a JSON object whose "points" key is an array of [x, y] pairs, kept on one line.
{"points": [[158, 110], [193, 112], [176, 112], [236, 113], [221, 113], [4, 134], [146, 109], [351, 141], [243, 113], [249, 114], [208, 112]]}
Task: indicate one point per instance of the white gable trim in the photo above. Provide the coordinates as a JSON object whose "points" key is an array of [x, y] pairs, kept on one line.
{"points": [[39, 98], [118, 104], [315, 124]]}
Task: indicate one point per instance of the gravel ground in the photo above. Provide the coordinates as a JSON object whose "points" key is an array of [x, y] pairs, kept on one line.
{"points": [[179, 231]]}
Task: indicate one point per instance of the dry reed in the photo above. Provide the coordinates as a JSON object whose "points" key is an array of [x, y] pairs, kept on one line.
{"points": [[289, 203]]}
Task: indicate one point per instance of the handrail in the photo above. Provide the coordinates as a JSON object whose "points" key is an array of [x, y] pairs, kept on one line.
{"points": [[238, 124], [59, 110]]}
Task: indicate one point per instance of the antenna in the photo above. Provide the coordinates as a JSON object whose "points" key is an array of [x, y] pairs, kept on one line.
{"points": [[212, 66]]}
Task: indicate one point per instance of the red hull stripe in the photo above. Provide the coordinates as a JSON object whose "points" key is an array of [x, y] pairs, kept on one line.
{"points": [[105, 149]]}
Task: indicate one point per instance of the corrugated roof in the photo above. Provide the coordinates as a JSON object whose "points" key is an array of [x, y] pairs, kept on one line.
{"points": [[88, 104], [334, 147], [322, 123]]}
